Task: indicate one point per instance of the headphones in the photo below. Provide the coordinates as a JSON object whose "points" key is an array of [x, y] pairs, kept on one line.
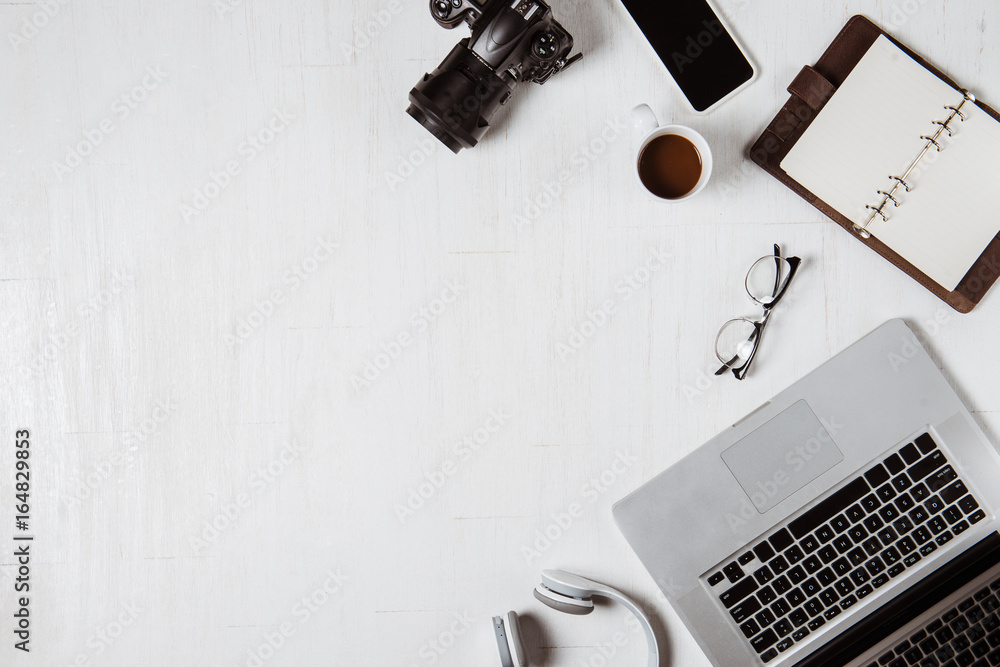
{"points": [[570, 594]]}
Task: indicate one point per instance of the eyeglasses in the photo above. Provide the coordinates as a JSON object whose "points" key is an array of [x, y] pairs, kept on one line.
{"points": [[766, 282]]}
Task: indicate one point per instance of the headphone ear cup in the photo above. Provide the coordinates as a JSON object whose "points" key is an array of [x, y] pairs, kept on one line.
{"points": [[500, 630], [514, 640], [563, 603]]}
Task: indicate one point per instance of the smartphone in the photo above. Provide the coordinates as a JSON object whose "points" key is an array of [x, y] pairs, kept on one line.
{"points": [[697, 48]]}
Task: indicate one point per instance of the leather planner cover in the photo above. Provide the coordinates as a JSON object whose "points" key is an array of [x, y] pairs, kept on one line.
{"points": [[810, 91]]}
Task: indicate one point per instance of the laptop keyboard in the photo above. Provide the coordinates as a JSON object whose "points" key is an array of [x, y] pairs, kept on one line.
{"points": [[967, 634], [839, 552]]}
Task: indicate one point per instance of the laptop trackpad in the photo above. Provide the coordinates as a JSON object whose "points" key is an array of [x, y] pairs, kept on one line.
{"points": [[782, 456]]}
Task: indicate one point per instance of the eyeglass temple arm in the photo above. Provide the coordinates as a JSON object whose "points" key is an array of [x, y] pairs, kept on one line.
{"points": [[741, 372]]}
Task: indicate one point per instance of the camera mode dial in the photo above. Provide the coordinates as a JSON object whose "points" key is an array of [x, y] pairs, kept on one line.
{"points": [[545, 45]]}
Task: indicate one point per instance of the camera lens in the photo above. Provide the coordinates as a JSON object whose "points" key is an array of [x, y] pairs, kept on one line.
{"points": [[457, 101]]}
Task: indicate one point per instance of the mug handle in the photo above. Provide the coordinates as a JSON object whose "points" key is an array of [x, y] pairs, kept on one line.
{"points": [[644, 120]]}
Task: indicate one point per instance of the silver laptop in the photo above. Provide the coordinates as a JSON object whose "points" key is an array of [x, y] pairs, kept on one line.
{"points": [[851, 520]]}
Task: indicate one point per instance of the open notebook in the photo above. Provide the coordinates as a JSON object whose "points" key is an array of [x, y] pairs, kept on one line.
{"points": [[946, 211]]}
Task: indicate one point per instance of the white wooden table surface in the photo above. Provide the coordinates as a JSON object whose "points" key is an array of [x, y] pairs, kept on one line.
{"points": [[217, 221]]}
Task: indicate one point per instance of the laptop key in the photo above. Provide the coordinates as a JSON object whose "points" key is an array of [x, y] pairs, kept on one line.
{"points": [[841, 566], [769, 655], [745, 558], [801, 633], [941, 478], [873, 523], [857, 556], [903, 502], [911, 560], [795, 597], [783, 627], [977, 516], [766, 595], [877, 475], [854, 513], [763, 575], [781, 585], [784, 644], [825, 577], [885, 493], [827, 554], [814, 607], [810, 587], [824, 533], [812, 564], [918, 515], [925, 442], [872, 546], [829, 597], [844, 587], [910, 454], [928, 548], [896, 570], [840, 523], [797, 575], [821, 513], [764, 552], [864, 591], [794, 555], [750, 628], [842, 544], [874, 566], [831, 612], [890, 556], [944, 538], [716, 579], [933, 505], [887, 535], [937, 524], [919, 492], [778, 564], [954, 492], [880, 580], [798, 617], [870, 503], [781, 540], [848, 602], [888, 513], [921, 534], [738, 592], [903, 525], [968, 504], [733, 572], [926, 466], [765, 617], [960, 527], [952, 515], [901, 483], [780, 608], [811, 544], [894, 464], [816, 623], [745, 609], [764, 641], [860, 576]]}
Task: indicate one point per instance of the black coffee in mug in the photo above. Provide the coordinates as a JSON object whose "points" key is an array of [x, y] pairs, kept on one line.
{"points": [[670, 166]]}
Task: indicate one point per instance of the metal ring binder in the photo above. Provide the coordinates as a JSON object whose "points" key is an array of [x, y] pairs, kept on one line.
{"points": [[945, 126], [888, 195], [900, 181], [905, 185]]}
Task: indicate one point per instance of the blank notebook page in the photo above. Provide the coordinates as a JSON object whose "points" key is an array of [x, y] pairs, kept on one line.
{"points": [[870, 129]]}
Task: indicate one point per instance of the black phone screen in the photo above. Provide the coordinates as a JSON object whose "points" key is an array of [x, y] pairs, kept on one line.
{"points": [[697, 49]]}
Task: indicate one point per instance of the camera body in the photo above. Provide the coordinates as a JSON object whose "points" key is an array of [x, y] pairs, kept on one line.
{"points": [[511, 41]]}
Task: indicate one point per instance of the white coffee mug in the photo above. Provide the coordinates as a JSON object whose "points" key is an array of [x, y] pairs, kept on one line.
{"points": [[645, 124]]}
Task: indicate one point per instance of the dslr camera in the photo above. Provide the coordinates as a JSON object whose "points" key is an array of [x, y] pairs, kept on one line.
{"points": [[512, 41]]}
